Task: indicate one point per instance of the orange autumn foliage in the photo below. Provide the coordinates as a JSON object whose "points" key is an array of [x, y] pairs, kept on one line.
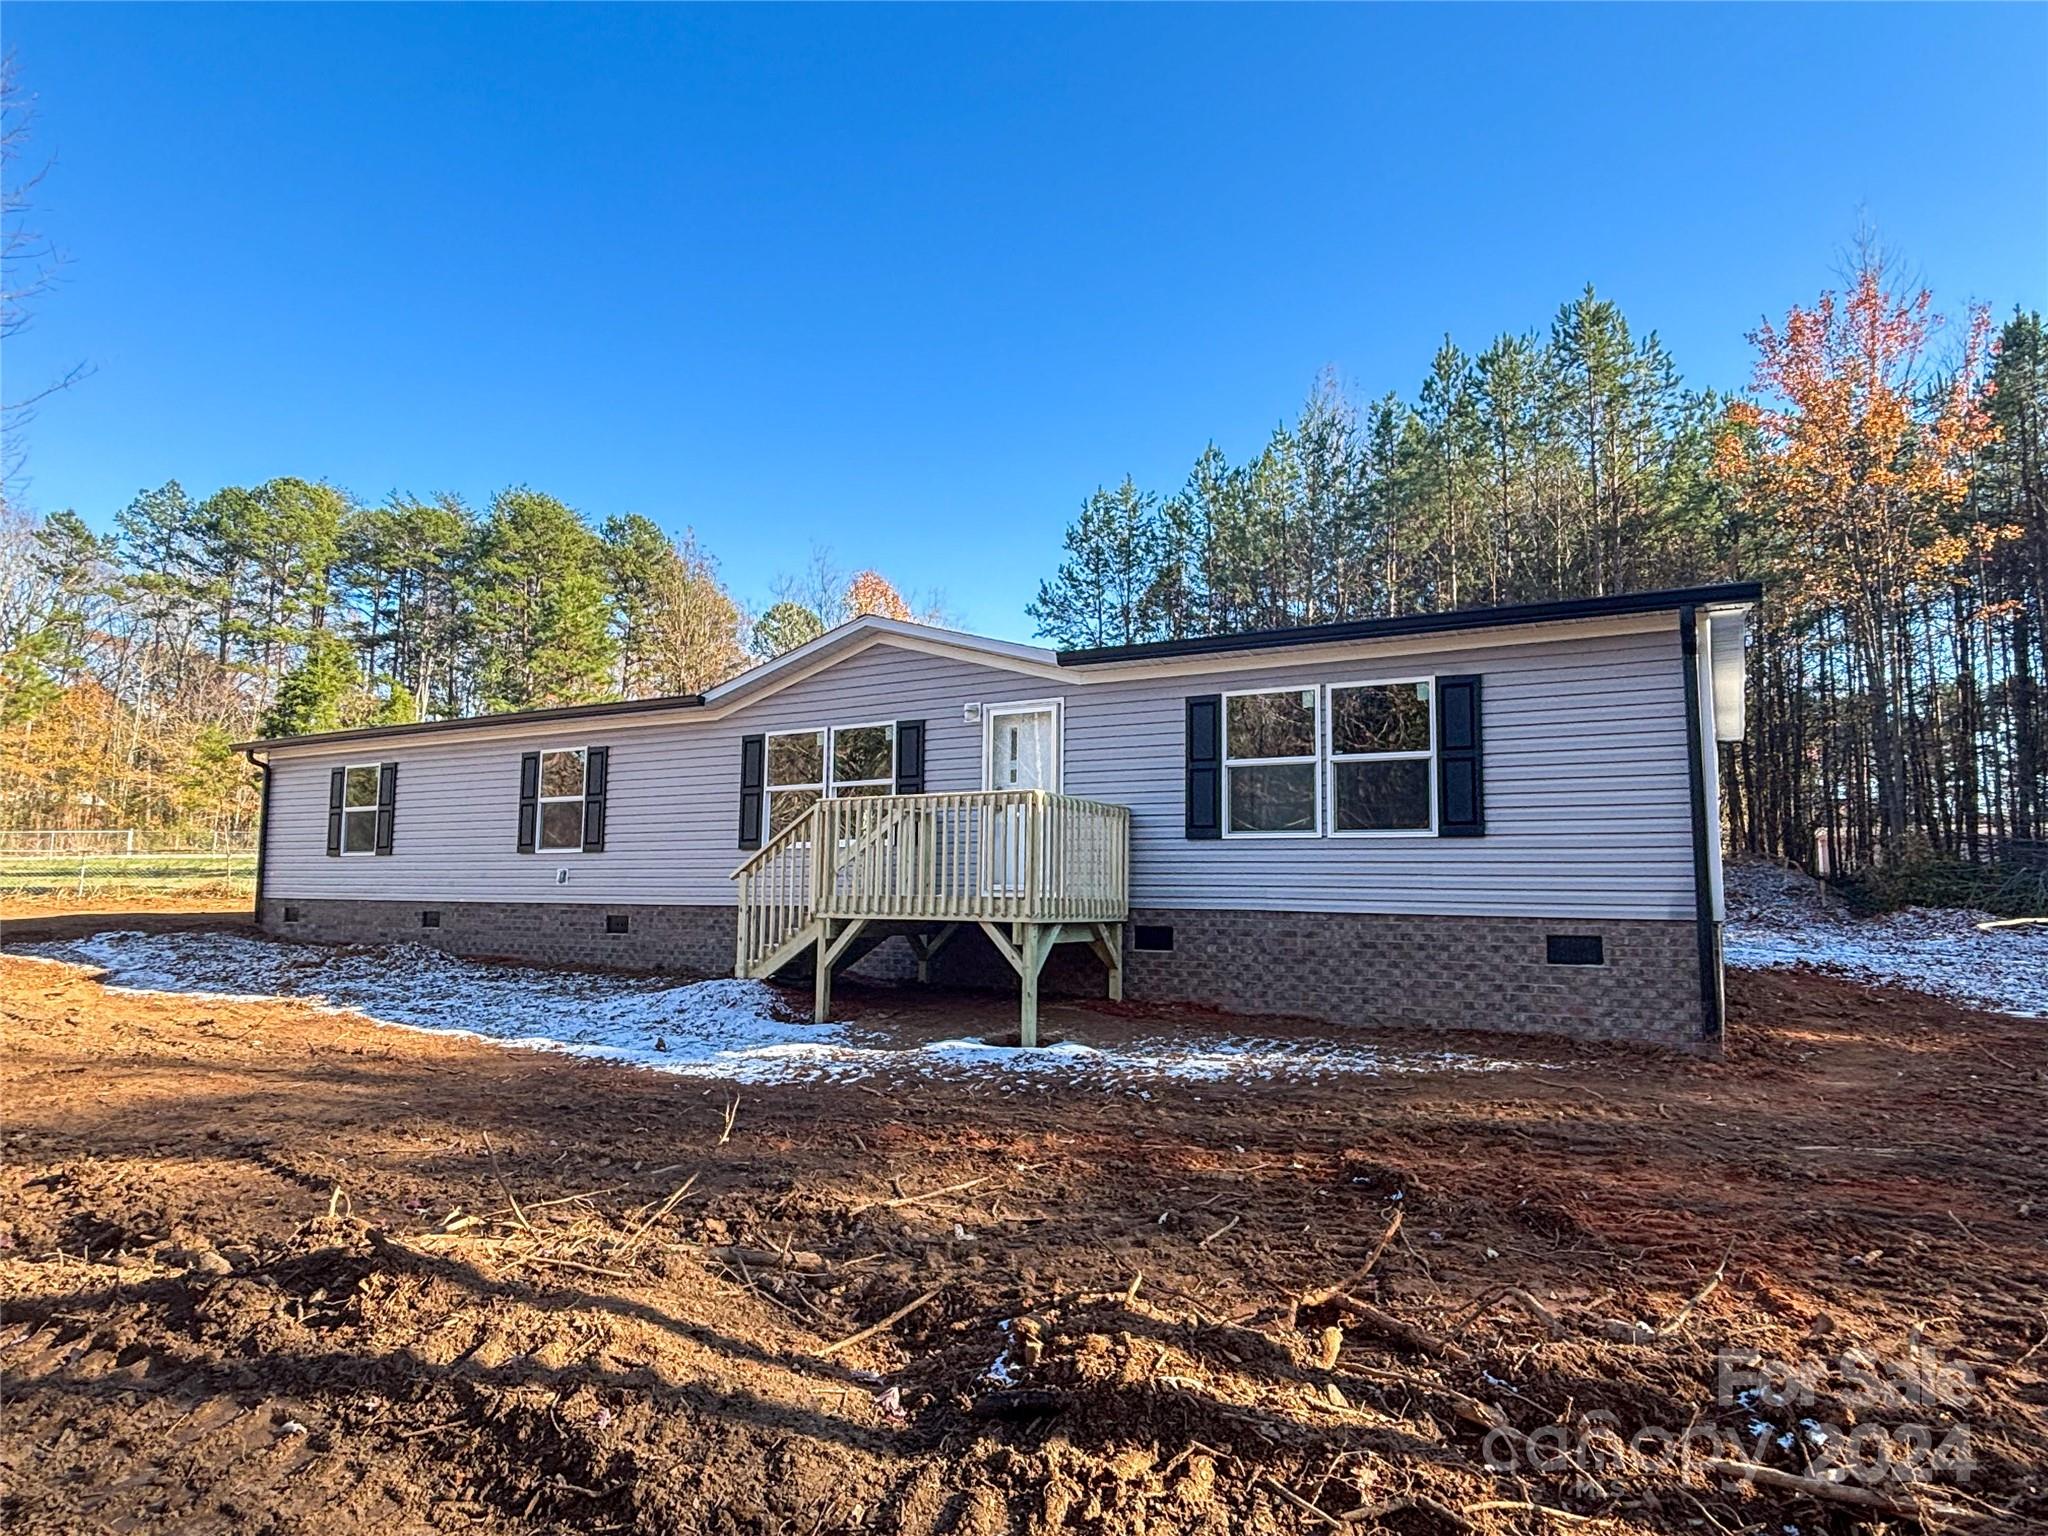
{"points": [[870, 592], [1858, 456], [1863, 457]]}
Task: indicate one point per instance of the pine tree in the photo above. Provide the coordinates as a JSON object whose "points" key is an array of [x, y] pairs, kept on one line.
{"points": [[784, 627], [1332, 497], [321, 693], [1103, 592], [540, 615], [399, 569], [637, 555]]}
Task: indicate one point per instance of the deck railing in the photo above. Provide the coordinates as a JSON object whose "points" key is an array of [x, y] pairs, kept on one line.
{"points": [[777, 894], [1004, 856]]}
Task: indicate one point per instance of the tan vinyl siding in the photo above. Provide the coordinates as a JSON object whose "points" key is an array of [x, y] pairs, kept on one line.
{"points": [[1585, 784]]}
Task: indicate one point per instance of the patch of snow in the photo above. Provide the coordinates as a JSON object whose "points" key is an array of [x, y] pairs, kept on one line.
{"points": [[1942, 951], [738, 1031]]}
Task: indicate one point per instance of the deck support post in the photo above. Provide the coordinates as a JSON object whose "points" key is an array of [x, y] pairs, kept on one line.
{"points": [[821, 979], [1037, 941], [830, 947], [927, 949], [1108, 945]]}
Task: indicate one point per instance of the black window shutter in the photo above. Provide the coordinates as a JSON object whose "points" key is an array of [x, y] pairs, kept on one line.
{"points": [[529, 799], [597, 764], [387, 804], [1205, 765], [1461, 804], [336, 783], [909, 757], [753, 766]]}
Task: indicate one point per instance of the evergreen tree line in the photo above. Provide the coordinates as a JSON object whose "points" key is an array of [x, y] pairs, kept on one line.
{"points": [[1885, 475], [130, 660]]}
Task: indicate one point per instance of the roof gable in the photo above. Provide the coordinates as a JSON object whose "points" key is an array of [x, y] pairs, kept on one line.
{"points": [[871, 629]]}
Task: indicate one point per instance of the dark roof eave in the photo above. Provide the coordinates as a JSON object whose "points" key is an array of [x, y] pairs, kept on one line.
{"points": [[1558, 612], [565, 712]]}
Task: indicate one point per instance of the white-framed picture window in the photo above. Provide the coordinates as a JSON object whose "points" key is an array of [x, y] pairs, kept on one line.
{"points": [[1382, 758], [561, 800], [359, 808], [796, 775], [1271, 766]]}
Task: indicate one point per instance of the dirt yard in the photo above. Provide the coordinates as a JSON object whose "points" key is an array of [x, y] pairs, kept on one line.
{"points": [[268, 1269]]}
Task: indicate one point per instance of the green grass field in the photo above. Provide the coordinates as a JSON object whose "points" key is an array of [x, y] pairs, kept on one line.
{"points": [[130, 876]]}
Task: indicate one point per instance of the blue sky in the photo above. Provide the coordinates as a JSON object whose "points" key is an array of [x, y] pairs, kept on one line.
{"points": [[910, 282]]}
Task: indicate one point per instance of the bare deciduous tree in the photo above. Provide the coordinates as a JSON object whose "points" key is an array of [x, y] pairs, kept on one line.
{"points": [[29, 265]]}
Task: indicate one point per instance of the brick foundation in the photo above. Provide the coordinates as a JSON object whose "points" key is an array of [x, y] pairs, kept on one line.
{"points": [[1485, 973], [690, 940], [657, 938], [1353, 969]]}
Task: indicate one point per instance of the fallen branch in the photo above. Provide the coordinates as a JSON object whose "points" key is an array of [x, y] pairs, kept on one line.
{"points": [[1542, 1314], [1303, 1504], [1713, 1284], [801, 1260], [674, 1199], [498, 1174], [1839, 1493], [1392, 1327], [1470, 1409], [1330, 1293], [1205, 1242], [888, 1322], [576, 1264], [930, 1194], [1541, 1509]]}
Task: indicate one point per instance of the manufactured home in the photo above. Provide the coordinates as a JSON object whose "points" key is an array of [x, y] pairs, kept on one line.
{"points": [[1502, 818]]}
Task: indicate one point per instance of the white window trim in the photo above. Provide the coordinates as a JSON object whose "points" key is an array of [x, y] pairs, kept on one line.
{"points": [[1058, 707], [770, 789], [1314, 758], [833, 783], [542, 801], [347, 810], [1332, 757]]}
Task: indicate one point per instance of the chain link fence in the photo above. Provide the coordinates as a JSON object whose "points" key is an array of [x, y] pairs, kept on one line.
{"points": [[58, 869]]}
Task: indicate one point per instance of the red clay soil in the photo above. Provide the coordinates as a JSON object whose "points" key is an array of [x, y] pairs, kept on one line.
{"points": [[57, 916], [272, 1270]]}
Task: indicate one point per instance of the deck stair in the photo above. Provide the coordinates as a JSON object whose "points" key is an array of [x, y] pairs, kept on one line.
{"points": [[1031, 869]]}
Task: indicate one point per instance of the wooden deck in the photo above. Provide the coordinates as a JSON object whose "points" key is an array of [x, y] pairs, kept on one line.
{"points": [[1031, 869]]}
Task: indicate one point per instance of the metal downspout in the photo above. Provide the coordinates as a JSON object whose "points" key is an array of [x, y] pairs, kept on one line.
{"points": [[1713, 1000]]}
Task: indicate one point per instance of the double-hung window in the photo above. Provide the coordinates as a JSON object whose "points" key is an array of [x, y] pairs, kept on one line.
{"points": [[1382, 747], [796, 775], [863, 759], [807, 766], [561, 800], [1342, 760], [359, 809], [1270, 769]]}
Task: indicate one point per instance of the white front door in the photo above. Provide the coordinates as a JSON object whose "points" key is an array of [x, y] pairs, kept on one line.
{"points": [[1023, 752], [1024, 747]]}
